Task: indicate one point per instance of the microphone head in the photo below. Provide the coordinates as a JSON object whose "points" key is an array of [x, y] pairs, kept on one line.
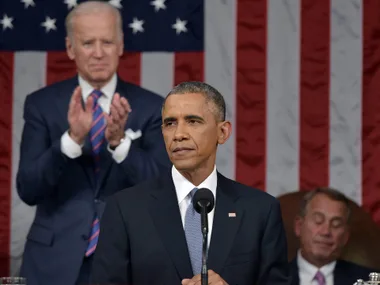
{"points": [[203, 198]]}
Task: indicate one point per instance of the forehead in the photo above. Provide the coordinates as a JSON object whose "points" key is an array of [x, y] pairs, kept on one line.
{"points": [[184, 104], [91, 23], [323, 203]]}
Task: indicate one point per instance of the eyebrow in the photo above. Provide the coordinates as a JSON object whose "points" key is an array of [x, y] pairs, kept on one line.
{"points": [[188, 117]]}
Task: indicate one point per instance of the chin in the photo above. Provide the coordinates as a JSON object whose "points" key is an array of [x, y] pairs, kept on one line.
{"points": [[184, 165]]}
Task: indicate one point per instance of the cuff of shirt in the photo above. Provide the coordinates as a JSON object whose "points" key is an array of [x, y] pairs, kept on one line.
{"points": [[69, 147], [121, 151]]}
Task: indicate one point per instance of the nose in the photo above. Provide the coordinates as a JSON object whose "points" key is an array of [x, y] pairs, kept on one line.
{"points": [[181, 132], [325, 229], [98, 51]]}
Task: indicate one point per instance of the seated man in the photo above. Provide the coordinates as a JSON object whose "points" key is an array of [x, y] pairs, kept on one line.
{"points": [[323, 229]]}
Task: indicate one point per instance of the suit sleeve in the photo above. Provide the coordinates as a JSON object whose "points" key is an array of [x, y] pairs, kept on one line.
{"points": [[150, 158], [111, 264], [274, 268], [41, 160]]}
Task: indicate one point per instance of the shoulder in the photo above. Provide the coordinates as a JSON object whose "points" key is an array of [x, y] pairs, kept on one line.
{"points": [[246, 193], [49, 92], [353, 267]]}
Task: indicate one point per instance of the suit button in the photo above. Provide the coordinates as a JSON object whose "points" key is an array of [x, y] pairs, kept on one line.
{"points": [[96, 200], [84, 237]]}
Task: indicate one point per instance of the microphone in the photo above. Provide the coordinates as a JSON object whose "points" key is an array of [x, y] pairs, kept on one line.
{"points": [[203, 203]]}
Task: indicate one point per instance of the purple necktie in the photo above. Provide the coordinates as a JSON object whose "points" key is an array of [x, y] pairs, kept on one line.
{"points": [[320, 278], [97, 139]]}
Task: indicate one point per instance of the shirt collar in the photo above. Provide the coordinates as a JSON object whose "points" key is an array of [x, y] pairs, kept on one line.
{"points": [[108, 90], [311, 269], [184, 186]]}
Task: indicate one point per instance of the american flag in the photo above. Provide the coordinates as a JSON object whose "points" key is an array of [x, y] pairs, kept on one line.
{"points": [[301, 81]]}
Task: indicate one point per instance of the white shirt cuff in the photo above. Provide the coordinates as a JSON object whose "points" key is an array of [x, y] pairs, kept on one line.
{"points": [[121, 151], [69, 147]]}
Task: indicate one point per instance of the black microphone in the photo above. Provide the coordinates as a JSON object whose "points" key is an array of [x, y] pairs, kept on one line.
{"points": [[203, 203]]}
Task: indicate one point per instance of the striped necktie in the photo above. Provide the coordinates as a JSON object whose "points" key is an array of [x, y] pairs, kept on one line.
{"points": [[97, 139], [97, 129], [193, 235]]}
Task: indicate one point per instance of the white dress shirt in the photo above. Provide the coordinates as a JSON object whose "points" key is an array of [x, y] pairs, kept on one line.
{"points": [[183, 188], [307, 271], [73, 150]]}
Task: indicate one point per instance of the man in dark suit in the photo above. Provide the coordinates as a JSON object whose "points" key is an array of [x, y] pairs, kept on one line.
{"points": [[81, 143], [151, 233], [323, 229]]}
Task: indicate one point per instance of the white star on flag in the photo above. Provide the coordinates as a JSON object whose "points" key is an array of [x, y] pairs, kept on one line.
{"points": [[28, 3], [7, 22], [71, 3], [116, 3], [137, 25], [180, 26], [158, 4], [49, 24]]}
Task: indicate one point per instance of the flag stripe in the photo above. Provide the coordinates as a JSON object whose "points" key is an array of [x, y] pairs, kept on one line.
{"points": [[251, 93], [314, 100], [59, 67], [6, 102], [220, 32], [371, 107], [345, 97], [283, 96], [188, 66], [29, 75], [157, 72], [130, 67]]}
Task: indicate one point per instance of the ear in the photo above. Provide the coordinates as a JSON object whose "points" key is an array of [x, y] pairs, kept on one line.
{"points": [[298, 225], [346, 237], [121, 46], [224, 131], [69, 48]]}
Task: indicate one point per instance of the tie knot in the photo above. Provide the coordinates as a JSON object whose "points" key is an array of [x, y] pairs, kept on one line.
{"points": [[320, 278], [192, 192], [96, 95]]}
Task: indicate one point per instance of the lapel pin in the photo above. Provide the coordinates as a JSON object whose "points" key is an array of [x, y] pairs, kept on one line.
{"points": [[232, 215]]}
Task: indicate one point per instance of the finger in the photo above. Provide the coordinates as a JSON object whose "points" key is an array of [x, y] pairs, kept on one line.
{"points": [[119, 107], [124, 102], [185, 281], [89, 104], [115, 114], [74, 101]]}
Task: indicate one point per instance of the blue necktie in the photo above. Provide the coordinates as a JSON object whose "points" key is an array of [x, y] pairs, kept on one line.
{"points": [[193, 235], [97, 139]]}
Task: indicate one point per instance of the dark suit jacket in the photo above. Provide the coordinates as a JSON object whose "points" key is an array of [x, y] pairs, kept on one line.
{"points": [[65, 190], [345, 273], [143, 241]]}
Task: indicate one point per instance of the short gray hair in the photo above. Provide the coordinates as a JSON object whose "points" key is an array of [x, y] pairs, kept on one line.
{"points": [[332, 193], [90, 7], [209, 92]]}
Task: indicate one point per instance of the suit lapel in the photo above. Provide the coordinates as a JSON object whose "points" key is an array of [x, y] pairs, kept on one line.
{"points": [[224, 227], [165, 213], [294, 272], [341, 274], [105, 156]]}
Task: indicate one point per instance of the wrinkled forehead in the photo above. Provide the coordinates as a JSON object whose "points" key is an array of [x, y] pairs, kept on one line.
{"points": [[330, 208]]}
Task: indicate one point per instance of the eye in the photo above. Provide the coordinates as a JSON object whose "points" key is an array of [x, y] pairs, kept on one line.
{"points": [[318, 218], [337, 223]]}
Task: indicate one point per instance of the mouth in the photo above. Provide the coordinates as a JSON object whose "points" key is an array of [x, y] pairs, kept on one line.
{"points": [[182, 150]]}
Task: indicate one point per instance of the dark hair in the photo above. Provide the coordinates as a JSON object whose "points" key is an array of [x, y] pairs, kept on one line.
{"points": [[333, 194], [209, 92]]}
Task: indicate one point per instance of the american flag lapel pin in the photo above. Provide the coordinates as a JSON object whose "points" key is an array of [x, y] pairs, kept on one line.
{"points": [[232, 215]]}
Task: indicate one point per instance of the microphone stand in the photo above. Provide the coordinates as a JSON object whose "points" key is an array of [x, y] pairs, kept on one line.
{"points": [[204, 274]]}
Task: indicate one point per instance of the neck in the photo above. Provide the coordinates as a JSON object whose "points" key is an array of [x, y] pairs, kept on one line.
{"points": [[196, 176]]}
